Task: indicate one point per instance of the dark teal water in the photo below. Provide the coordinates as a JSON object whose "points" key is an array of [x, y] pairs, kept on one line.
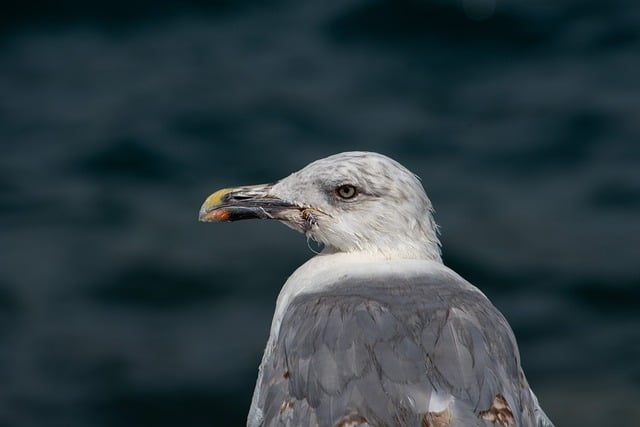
{"points": [[117, 119]]}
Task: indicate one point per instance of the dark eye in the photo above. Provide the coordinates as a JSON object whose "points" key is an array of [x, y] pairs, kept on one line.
{"points": [[347, 191]]}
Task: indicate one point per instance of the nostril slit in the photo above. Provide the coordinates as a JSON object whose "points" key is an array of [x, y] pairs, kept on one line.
{"points": [[231, 197]]}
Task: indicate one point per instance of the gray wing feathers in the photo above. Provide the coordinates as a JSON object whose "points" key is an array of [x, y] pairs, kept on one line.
{"points": [[394, 354]]}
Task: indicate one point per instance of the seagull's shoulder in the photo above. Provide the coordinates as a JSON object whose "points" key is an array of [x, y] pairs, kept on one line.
{"points": [[399, 342], [373, 277]]}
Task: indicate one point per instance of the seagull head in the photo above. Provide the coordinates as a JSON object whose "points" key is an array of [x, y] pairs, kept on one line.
{"points": [[349, 202]]}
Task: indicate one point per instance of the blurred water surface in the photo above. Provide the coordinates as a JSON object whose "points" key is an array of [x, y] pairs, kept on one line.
{"points": [[117, 119]]}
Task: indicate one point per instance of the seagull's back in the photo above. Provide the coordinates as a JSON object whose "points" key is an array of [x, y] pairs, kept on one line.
{"points": [[390, 343]]}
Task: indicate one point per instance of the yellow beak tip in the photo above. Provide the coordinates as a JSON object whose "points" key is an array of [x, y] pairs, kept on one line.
{"points": [[211, 202], [215, 198]]}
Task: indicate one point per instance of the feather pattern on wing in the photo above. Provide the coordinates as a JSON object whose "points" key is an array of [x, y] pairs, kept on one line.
{"points": [[394, 352]]}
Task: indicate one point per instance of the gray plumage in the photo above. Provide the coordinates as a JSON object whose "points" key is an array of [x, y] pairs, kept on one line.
{"points": [[381, 350], [376, 330]]}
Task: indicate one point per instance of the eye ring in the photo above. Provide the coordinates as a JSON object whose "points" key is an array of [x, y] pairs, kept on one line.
{"points": [[346, 191]]}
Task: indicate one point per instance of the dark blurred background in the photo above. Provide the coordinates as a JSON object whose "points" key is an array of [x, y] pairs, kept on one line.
{"points": [[117, 119]]}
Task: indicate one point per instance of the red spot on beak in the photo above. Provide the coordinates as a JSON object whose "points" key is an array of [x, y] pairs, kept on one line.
{"points": [[216, 215]]}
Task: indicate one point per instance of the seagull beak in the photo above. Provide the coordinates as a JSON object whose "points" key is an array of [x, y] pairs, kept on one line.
{"points": [[250, 202]]}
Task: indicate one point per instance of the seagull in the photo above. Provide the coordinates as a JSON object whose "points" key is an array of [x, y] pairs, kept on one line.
{"points": [[375, 330]]}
